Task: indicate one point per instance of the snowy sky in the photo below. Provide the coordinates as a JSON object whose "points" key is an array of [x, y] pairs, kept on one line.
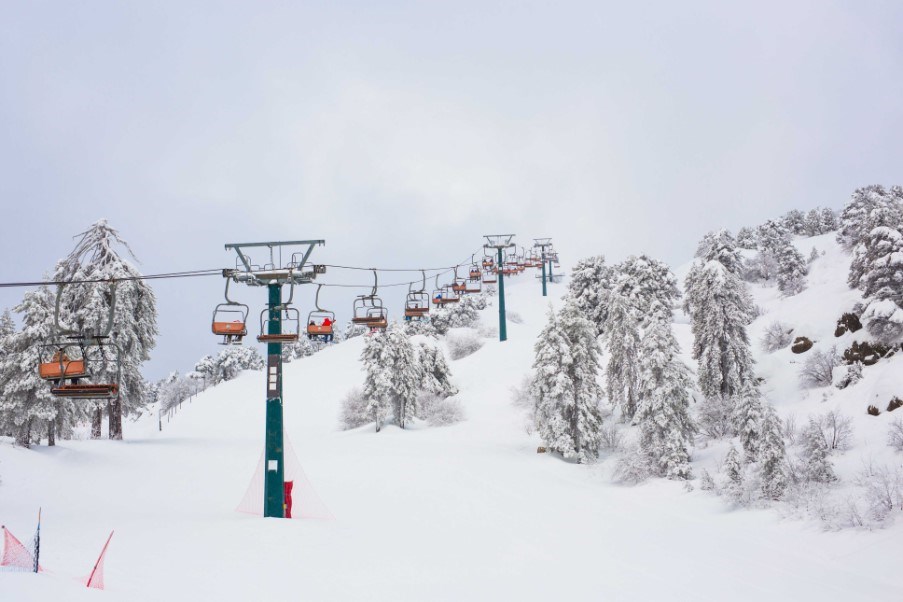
{"points": [[402, 131]]}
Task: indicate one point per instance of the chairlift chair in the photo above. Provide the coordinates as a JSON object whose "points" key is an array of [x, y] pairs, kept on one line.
{"points": [[232, 330], [368, 310], [285, 315], [417, 303], [316, 319], [445, 294], [72, 357], [490, 277]]}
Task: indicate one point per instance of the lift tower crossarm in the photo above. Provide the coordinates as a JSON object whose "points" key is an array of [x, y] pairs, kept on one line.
{"points": [[290, 274]]}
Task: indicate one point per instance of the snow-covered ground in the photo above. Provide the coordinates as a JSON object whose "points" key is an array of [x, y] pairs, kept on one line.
{"points": [[465, 512]]}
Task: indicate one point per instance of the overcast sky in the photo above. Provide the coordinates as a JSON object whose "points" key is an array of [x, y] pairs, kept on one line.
{"points": [[401, 132]]}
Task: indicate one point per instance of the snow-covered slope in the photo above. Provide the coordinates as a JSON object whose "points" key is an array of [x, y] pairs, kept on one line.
{"points": [[465, 512]]}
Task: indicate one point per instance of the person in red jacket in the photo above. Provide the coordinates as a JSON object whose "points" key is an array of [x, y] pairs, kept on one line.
{"points": [[328, 323]]}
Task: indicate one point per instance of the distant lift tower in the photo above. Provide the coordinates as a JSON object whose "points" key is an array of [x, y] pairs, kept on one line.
{"points": [[544, 244], [499, 242], [281, 267]]}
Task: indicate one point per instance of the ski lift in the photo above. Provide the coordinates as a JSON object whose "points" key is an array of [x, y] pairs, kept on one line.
{"points": [[488, 261], [73, 357], [417, 303], [368, 310], [459, 285], [285, 315], [316, 320], [444, 294], [232, 330], [490, 277]]}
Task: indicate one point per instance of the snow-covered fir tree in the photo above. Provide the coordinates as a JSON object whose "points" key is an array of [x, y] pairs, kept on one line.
{"points": [[434, 371], [818, 466], [622, 337], [7, 326], [27, 408], [791, 271], [748, 413], [795, 222], [83, 307], [645, 283], [589, 288], [746, 238], [719, 307], [720, 246], [773, 237], [227, 364], [869, 207], [663, 410], [393, 377], [880, 260], [565, 386], [732, 468], [772, 455]]}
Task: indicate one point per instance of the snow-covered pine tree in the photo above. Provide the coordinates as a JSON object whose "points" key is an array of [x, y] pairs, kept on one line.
{"points": [[772, 455], [663, 410], [869, 207], [234, 359], [791, 271], [746, 238], [622, 337], [720, 246], [435, 372], [795, 222], [393, 376], [589, 286], [719, 307], [565, 386], [645, 283], [748, 414], [7, 326], [732, 468], [95, 257], [828, 220], [26, 407], [880, 259], [773, 237], [818, 467], [376, 384]]}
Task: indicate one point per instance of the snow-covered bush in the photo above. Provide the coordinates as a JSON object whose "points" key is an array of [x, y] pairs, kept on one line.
{"points": [[437, 410], [521, 395], [883, 487], [611, 438], [776, 336], [714, 417], [514, 317], [462, 314], [463, 342], [895, 434], [354, 330], [789, 429], [354, 410], [836, 429], [633, 466], [847, 375], [818, 369]]}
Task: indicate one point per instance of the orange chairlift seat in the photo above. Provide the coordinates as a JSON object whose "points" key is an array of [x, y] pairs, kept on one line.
{"points": [[417, 302], [230, 320], [286, 315], [73, 356], [368, 310], [317, 324]]}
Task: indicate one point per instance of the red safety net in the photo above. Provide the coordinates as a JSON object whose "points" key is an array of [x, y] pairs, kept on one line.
{"points": [[16, 556], [95, 579], [306, 502]]}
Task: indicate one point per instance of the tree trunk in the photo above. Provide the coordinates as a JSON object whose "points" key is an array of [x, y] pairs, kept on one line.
{"points": [[51, 434], [115, 414], [23, 436], [96, 423]]}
